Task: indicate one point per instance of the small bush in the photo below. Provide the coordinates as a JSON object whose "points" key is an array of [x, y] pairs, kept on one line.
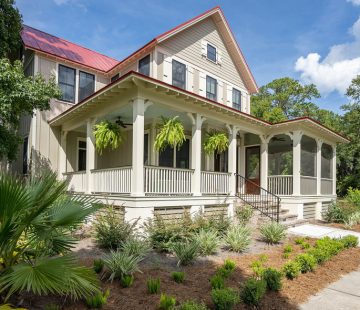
{"points": [[349, 241], [217, 282], [126, 280], [98, 265], [306, 262], [273, 232], [186, 252], [272, 277], [167, 302], [178, 276], [153, 285], [98, 300], [253, 291], [244, 214], [208, 241], [192, 305], [136, 247], [224, 299], [291, 270], [238, 238]]}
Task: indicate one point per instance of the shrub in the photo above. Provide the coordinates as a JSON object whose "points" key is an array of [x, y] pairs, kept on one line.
{"points": [[273, 232], [186, 252], [208, 241], [238, 238], [306, 262], [272, 277], [224, 299], [349, 241], [111, 231], [217, 282], [253, 291], [244, 214], [98, 300], [178, 276], [167, 302], [153, 285], [136, 247], [192, 305], [126, 280], [291, 269], [98, 265]]}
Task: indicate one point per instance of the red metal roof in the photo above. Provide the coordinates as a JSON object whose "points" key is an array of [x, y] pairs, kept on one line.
{"points": [[47, 43]]}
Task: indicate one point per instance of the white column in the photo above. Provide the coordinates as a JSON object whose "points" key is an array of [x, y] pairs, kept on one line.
{"points": [[296, 162], [196, 154], [318, 166], [62, 166], [90, 153], [264, 159], [137, 181], [333, 162], [232, 158]]}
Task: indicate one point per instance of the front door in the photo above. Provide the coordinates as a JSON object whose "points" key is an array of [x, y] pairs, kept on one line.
{"points": [[252, 172]]}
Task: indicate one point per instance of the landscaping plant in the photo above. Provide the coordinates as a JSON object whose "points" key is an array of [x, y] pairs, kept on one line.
{"points": [[253, 291], [238, 238], [291, 269], [98, 300], [98, 265], [178, 276], [192, 305], [153, 285], [273, 232], [167, 302], [217, 282], [225, 298], [186, 252], [108, 135], [208, 241], [171, 133], [306, 262], [272, 277]]}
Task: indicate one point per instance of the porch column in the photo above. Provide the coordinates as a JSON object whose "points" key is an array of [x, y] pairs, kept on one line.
{"points": [[333, 162], [62, 165], [90, 153], [137, 180], [297, 162], [318, 166], [264, 159], [232, 158]]}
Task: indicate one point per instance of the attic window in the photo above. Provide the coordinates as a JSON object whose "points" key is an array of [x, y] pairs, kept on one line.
{"points": [[211, 52]]}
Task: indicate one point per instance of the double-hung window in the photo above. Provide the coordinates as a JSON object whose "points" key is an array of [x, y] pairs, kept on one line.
{"points": [[66, 82], [236, 99], [211, 52], [86, 85], [144, 65], [211, 88], [178, 74]]}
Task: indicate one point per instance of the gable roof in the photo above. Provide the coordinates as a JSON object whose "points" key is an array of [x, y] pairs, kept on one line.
{"points": [[49, 44]]}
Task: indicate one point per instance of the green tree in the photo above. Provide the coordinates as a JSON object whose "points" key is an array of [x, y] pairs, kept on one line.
{"points": [[19, 95]]}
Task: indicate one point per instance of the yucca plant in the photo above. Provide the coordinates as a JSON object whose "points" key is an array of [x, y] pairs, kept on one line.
{"points": [[216, 141], [171, 133], [108, 134], [36, 218]]}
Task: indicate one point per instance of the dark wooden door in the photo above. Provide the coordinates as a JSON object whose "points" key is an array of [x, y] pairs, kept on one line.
{"points": [[252, 170]]}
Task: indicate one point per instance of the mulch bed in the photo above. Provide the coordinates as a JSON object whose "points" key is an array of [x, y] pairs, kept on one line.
{"points": [[197, 286]]}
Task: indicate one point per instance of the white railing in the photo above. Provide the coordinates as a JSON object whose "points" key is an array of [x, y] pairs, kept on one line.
{"points": [[280, 184], [77, 181], [326, 186], [213, 183], [112, 180], [308, 185], [167, 181]]}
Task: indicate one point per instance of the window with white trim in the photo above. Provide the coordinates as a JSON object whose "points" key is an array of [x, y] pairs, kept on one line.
{"points": [[66, 81], [178, 74], [236, 99], [211, 52], [211, 88]]}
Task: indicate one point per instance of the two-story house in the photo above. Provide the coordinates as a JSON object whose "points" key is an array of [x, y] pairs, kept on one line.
{"points": [[197, 72]]}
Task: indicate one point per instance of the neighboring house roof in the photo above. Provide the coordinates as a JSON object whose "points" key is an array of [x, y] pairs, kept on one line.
{"points": [[49, 44]]}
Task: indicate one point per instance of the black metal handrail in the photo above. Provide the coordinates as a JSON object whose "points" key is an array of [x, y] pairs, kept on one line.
{"points": [[258, 197]]}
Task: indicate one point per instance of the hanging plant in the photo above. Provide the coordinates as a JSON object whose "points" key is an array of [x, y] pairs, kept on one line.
{"points": [[171, 133], [108, 134], [216, 141]]}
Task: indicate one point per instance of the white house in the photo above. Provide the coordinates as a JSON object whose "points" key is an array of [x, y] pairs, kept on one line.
{"points": [[197, 72]]}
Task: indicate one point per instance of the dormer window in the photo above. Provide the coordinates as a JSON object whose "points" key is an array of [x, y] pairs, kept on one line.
{"points": [[144, 65], [211, 52]]}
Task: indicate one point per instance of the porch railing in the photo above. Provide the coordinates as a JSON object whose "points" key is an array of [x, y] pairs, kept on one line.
{"points": [[167, 181], [213, 183], [280, 184], [112, 180], [77, 181], [308, 185], [326, 186]]}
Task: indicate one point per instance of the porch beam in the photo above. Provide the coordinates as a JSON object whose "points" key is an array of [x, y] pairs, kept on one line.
{"points": [[297, 135]]}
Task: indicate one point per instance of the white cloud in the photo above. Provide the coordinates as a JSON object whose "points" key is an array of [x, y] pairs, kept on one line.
{"points": [[354, 2], [337, 69]]}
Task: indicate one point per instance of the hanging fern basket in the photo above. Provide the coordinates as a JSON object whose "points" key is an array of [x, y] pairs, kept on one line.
{"points": [[216, 142], [171, 133], [107, 135]]}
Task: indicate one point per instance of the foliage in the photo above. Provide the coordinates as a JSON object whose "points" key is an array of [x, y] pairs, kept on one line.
{"points": [[98, 300], [273, 232], [208, 241], [178, 276], [36, 219], [272, 277], [111, 231], [108, 135], [192, 305], [217, 282], [225, 298], [153, 285], [120, 264], [98, 265], [126, 280], [244, 214], [171, 133], [186, 252], [19, 96], [253, 291], [306, 261], [238, 238], [136, 247], [167, 302], [291, 269], [349, 241], [216, 142]]}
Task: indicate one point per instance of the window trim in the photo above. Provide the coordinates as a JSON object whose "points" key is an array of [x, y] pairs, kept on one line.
{"points": [[207, 52], [78, 139], [216, 88], [81, 71], [150, 61], [75, 82], [172, 73]]}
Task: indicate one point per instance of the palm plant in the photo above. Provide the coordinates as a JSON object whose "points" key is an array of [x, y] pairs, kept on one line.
{"points": [[171, 133], [216, 141], [108, 134], [35, 221]]}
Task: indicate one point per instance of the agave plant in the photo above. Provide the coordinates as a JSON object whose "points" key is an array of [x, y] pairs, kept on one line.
{"points": [[108, 134], [216, 141], [35, 221], [171, 133]]}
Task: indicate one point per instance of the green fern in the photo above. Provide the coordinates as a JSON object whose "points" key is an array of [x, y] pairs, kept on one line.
{"points": [[171, 133], [108, 134], [216, 141]]}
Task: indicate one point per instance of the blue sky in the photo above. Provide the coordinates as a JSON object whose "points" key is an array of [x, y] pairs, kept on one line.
{"points": [[314, 41]]}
